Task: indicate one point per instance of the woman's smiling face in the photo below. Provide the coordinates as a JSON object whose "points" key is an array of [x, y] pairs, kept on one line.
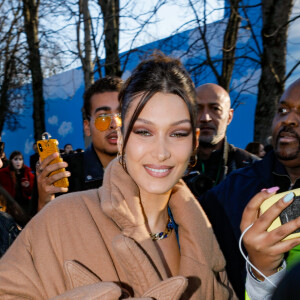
{"points": [[160, 144]]}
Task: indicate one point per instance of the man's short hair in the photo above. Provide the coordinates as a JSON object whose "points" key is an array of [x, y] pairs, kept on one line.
{"points": [[102, 85]]}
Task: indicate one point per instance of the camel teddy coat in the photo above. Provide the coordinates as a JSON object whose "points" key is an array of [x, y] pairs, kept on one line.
{"points": [[95, 245]]}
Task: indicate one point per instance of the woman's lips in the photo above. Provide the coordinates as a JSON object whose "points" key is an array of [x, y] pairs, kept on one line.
{"points": [[158, 171]]}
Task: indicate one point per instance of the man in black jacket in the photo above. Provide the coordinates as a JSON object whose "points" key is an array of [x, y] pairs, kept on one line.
{"points": [[216, 158], [34, 157], [85, 170]]}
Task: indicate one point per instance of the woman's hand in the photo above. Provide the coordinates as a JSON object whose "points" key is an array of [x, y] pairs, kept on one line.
{"points": [[25, 183], [46, 189], [266, 249]]}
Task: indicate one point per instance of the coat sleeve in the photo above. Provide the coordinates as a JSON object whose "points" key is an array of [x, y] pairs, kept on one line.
{"points": [[19, 278]]}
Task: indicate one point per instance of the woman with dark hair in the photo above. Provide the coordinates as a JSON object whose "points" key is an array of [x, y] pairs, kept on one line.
{"points": [[11, 207], [10, 213], [142, 234], [256, 148], [18, 180], [12, 219]]}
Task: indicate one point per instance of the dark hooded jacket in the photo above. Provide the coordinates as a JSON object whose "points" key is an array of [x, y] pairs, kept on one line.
{"points": [[224, 205]]}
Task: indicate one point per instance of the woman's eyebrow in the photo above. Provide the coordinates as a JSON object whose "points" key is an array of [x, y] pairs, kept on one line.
{"points": [[175, 123], [182, 121]]}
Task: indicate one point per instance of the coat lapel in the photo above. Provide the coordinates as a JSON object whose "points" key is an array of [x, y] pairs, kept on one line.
{"points": [[121, 202], [201, 257]]}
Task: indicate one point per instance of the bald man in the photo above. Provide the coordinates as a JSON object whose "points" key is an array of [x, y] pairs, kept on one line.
{"points": [[214, 115], [216, 157]]}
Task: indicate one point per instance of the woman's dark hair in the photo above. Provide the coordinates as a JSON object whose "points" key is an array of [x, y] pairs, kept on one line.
{"points": [[159, 73], [11, 157], [12, 207], [253, 148]]}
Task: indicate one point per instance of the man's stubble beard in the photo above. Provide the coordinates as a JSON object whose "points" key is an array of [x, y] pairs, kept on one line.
{"points": [[110, 153], [205, 144], [210, 141], [287, 156]]}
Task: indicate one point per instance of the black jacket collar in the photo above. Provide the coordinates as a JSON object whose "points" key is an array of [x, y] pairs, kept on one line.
{"points": [[93, 169]]}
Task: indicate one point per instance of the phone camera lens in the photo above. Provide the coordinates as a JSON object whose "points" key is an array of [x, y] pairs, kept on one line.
{"points": [[40, 147]]}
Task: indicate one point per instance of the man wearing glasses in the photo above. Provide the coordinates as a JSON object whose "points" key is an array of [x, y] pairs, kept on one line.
{"points": [[85, 170], [102, 117]]}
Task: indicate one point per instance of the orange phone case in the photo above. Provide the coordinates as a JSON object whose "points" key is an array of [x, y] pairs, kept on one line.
{"points": [[46, 147]]}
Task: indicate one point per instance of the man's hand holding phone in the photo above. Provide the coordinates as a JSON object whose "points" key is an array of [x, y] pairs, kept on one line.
{"points": [[45, 181], [51, 174], [266, 248]]}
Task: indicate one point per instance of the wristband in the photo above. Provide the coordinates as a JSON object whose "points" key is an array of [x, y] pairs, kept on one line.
{"points": [[252, 274], [258, 280]]}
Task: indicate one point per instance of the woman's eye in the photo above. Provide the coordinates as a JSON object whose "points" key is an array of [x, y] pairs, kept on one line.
{"points": [[180, 134], [142, 132]]}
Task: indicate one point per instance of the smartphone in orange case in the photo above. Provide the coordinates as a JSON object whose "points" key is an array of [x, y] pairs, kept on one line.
{"points": [[46, 147]]}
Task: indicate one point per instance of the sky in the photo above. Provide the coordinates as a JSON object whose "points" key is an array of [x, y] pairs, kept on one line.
{"points": [[168, 18], [294, 43]]}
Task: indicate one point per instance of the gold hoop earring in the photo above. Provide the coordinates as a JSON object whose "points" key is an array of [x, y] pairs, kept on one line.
{"points": [[193, 161]]}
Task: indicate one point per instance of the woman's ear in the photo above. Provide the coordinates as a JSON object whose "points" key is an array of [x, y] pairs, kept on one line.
{"points": [[120, 140]]}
